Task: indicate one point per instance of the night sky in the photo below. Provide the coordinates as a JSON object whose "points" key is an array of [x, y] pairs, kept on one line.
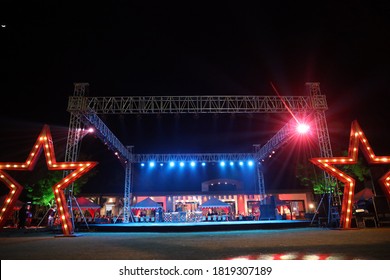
{"points": [[191, 48]]}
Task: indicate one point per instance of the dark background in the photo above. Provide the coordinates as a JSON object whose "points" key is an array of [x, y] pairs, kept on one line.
{"points": [[192, 48]]}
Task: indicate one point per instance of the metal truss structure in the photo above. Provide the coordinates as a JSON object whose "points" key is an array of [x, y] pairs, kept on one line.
{"points": [[325, 149], [208, 157], [193, 104], [85, 110]]}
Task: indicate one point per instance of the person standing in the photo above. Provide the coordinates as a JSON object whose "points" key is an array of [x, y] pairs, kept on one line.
{"points": [[50, 218], [22, 217]]}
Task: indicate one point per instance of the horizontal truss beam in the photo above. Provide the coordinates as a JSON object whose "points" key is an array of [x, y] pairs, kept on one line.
{"points": [[207, 157], [279, 139], [193, 104], [107, 137]]}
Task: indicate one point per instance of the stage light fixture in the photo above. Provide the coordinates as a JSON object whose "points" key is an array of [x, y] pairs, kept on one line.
{"points": [[181, 164], [231, 163], [172, 164], [241, 163], [142, 164], [151, 164], [303, 128], [192, 163], [203, 164], [250, 163], [222, 163]]}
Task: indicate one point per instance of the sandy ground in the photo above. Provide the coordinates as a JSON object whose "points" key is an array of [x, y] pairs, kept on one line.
{"points": [[300, 243]]}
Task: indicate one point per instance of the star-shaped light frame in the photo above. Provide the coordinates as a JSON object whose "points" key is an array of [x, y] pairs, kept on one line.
{"points": [[327, 164], [44, 143]]}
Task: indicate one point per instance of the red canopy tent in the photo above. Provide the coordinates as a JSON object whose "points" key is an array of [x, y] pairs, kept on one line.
{"points": [[11, 218], [85, 204], [147, 203], [17, 206], [364, 194], [215, 203]]}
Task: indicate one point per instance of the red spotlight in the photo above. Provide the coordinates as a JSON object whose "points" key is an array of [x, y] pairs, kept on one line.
{"points": [[303, 128]]}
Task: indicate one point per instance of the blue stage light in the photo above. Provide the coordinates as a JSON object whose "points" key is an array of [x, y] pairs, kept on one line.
{"points": [[151, 164], [171, 164], [241, 163], [231, 163], [181, 164], [222, 163], [250, 163], [142, 164], [203, 164], [192, 163], [161, 164]]}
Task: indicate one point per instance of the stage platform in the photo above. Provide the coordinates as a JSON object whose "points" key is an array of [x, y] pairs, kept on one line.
{"points": [[195, 226]]}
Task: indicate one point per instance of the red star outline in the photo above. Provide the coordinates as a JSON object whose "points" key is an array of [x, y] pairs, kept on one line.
{"points": [[44, 143], [357, 136]]}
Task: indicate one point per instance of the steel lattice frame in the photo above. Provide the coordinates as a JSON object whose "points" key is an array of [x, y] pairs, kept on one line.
{"points": [[192, 104], [325, 149], [85, 109]]}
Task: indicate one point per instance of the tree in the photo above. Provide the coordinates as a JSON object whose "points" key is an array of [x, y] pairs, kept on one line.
{"points": [[360, 170], [308, 176], [41, 192]]}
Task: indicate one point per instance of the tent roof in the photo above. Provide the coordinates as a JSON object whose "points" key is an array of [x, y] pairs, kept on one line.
{"points": [[147, 203], [364, 194], [214, 203], [84, 203]]}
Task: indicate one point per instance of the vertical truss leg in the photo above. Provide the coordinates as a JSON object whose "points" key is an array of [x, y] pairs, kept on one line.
{"points": [[73, 144], [260, 178], [319, 106], [127, 213]]}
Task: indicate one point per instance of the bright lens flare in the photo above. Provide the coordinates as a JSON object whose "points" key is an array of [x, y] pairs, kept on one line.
{"points": [[303, 128]]}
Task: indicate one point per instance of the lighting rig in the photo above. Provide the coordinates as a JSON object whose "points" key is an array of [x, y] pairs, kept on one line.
{"points": [[85, 110]]}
